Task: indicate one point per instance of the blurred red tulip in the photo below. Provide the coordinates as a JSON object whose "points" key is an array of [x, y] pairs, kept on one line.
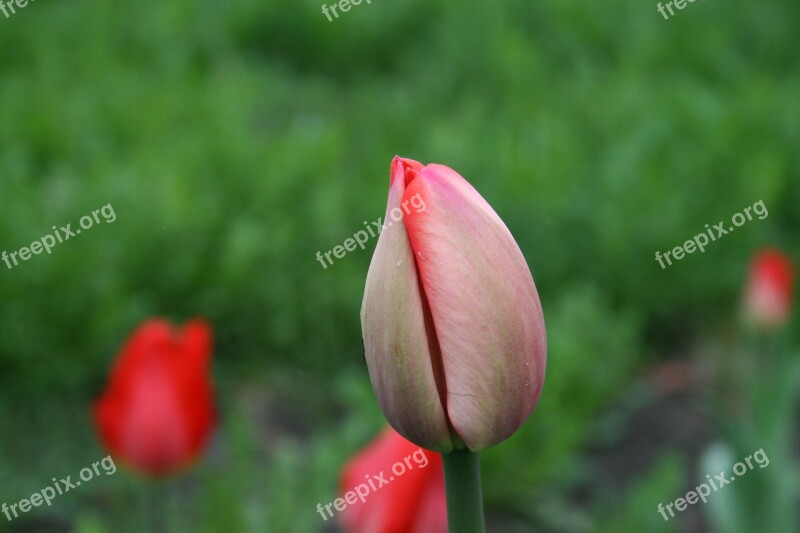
{"points": [[411, 502], [157, 411], [770, 290]]}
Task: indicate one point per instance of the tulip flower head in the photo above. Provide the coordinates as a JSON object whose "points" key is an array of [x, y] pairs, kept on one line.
{"points": [[454, 335], [412, 502], [769, 295], [157, 411]]}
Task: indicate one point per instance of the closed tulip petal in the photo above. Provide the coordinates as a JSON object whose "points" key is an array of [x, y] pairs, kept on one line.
{"points": [[769, 294], [451, 313], [195, 355], [195, 340], [152, 337], [157, 411], [412, 502], [485, 309], [153, 430], [396, 335], [431, 516]]}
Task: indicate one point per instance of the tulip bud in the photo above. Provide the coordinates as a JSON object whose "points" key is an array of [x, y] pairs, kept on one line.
{"points": [[770, 291], [452, 324], [399, 487], [157, 412]]}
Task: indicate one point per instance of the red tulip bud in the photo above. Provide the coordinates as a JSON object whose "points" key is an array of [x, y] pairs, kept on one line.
{"points": [[453, 328], [157, 411], [770, 290], [392, 486]]}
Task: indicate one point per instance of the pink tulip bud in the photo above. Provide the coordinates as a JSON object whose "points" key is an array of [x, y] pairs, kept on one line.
{"points": [[770, 291], [453, 328]]}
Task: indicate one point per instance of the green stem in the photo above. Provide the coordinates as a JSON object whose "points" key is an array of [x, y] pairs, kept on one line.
{"points": [[462, 474], [157, 504]]}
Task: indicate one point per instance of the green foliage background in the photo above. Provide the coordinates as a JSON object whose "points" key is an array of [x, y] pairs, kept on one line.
{"points": [[234, 141]]}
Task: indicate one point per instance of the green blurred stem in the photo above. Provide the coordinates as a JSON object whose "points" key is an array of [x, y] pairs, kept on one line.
{"points": [[157, 493], [462, 475]]}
